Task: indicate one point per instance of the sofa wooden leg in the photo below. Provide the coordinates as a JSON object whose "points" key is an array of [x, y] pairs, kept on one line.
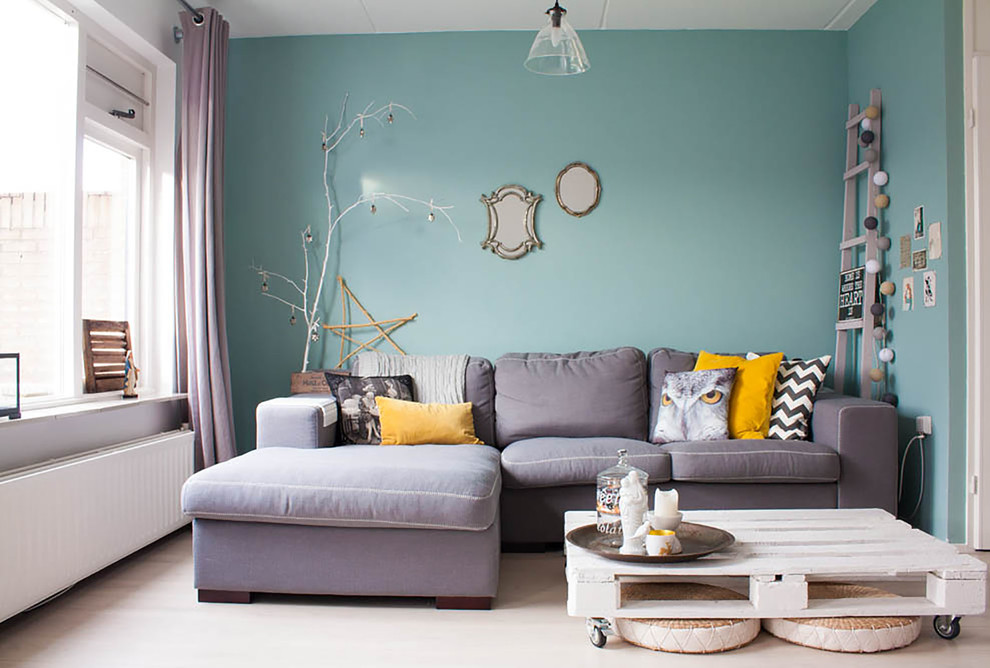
{"points": [[223, 596], [464, 602]]}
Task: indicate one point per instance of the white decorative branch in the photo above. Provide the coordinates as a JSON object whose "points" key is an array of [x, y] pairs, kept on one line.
{"points": [[310, 307]]}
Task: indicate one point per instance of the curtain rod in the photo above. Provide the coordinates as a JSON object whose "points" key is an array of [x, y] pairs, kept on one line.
{"points": [[197, 15], [116, 85]]}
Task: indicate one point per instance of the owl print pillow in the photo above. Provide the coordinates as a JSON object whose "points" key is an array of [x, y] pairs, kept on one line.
{"points": [[694, 406]]}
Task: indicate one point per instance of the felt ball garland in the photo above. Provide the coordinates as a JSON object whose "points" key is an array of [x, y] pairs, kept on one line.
{"points": [[874, 266]]}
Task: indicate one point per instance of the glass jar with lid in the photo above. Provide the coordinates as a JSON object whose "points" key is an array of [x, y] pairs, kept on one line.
{"points": [[607, 501]]}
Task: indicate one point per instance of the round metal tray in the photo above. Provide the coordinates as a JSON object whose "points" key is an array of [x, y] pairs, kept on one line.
{"points": [[697, 540]]}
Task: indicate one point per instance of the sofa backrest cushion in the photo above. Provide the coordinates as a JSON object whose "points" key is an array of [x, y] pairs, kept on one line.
{"points": [[583, 394], [479, 389], [663, 361]]}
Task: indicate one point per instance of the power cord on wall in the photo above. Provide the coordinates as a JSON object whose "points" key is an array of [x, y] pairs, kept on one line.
{"points": [[920, 438]]}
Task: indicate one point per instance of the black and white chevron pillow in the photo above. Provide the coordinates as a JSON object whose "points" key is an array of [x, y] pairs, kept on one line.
{"points": [[794, 396]]}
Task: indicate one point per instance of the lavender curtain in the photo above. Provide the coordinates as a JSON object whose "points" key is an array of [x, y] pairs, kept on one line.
{"points": [[205, 375]]}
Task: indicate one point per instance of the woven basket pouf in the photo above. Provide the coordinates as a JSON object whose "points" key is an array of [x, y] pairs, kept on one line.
{"points": [[685, 636], [847, 634]]}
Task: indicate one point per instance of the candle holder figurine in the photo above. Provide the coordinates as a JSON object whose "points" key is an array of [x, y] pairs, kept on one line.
{"points": [[634, 504]]}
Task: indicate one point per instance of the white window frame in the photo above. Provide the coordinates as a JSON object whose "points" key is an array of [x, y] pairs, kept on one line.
{"points": [[152, 310], [101, 134]]}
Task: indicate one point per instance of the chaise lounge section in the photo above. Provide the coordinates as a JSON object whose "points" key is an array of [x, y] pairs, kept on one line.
{"points": [[352, 519]]}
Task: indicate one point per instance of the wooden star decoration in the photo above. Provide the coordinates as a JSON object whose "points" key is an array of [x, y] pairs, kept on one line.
{"points": [[345, 329]]}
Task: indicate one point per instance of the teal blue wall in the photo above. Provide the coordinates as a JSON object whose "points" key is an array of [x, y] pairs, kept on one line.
{"points": [[718, 154], [912, 50], [720, 214]]}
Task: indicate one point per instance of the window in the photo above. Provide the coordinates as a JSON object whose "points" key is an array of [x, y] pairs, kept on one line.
{"points": [[109, 232], [85, 195], [38, 64]]}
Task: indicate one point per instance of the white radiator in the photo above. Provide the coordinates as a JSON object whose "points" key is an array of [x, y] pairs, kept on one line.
{"points": [[63, 521]]}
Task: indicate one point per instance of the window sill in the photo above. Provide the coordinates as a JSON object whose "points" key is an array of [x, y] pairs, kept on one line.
{"points": [[85, 407]]}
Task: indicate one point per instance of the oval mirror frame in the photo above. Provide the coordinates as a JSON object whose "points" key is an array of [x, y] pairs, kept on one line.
{"points": [[590, 200]]}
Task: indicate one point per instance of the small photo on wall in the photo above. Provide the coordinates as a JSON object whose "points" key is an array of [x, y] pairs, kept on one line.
{"points": [[907, 294], [919, 260], [929, 289], [934, 241], [919, 222]]}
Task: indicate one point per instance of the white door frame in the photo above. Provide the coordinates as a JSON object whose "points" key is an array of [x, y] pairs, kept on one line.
{"points": [[976, 57]]}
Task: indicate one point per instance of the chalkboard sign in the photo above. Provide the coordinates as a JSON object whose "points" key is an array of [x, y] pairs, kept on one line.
{"points": [[851, 294]]}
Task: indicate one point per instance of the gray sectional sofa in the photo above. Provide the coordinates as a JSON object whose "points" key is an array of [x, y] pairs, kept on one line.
{"points": [[297, 516]]}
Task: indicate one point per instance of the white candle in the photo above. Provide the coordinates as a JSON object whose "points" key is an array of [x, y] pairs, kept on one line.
{"points": [[665, 503]]}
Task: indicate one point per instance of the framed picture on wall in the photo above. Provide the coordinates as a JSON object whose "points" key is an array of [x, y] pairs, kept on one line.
{"points": [[919, 222]]}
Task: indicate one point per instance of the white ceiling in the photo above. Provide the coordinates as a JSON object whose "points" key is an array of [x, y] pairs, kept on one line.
{"points": [[261, 18]]}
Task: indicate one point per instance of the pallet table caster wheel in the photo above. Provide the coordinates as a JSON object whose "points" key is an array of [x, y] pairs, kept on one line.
{"points": [[946, 627], [598, 631]]}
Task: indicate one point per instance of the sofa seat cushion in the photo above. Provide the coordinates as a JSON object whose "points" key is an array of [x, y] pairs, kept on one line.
{"points": [[753, 460], [558, 461], [421, 486]]}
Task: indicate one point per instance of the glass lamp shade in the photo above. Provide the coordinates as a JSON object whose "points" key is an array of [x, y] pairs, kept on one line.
{"points": [[557, 50]]}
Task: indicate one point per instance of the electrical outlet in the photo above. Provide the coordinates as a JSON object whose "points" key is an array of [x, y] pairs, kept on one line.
{"points": [[923, 424]]}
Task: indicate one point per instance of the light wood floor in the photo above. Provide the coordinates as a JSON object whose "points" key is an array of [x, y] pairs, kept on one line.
{"points": [[142, 612]]}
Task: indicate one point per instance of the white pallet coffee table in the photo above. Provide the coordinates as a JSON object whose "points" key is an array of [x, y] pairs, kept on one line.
{"points": [[776, 554]]}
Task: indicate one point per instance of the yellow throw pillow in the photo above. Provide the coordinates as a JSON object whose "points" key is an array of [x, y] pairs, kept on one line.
{"points": [[752, 393], [412, 423]]}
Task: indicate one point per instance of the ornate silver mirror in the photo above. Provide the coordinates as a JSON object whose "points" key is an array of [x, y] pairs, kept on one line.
{"points": [[578, 189], [511, 222]]}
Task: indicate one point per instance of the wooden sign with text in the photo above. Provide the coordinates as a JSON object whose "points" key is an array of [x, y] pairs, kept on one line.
{"points": [[313, 381]]}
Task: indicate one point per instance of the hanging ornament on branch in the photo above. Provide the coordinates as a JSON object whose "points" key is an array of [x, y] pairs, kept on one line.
{"points": [[306, 294]]}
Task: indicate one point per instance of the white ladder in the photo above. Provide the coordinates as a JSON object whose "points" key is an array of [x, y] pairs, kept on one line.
{"points": [[851, 241]]}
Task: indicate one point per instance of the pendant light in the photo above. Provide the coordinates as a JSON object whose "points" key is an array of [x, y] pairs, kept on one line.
{"points": [[557, 50]]}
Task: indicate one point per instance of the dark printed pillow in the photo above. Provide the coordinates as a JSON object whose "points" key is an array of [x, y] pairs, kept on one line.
{"points": [[794, 397], [359, 422], [694, 406]]}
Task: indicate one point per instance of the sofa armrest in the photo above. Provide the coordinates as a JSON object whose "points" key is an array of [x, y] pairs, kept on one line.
{"points": [[864, 433], [299, 421]]}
